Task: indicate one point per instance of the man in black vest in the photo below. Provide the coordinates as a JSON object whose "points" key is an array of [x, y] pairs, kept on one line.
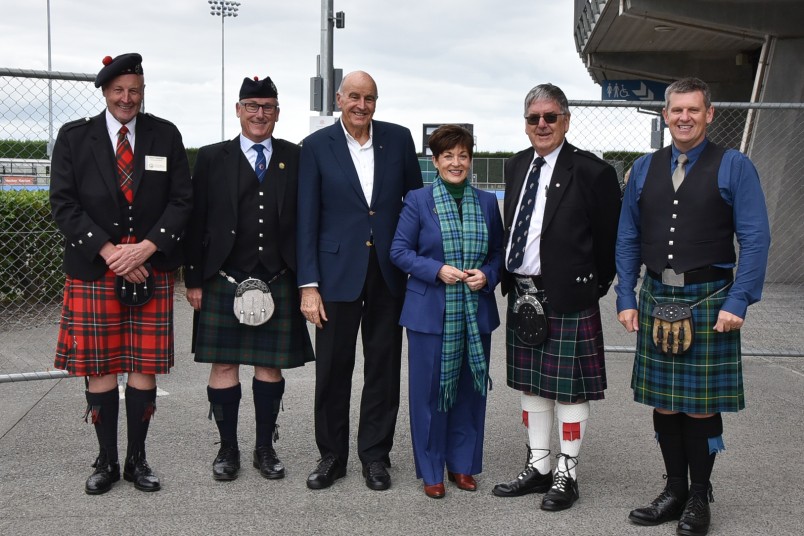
{"points": [[243, 225], [683, 206]]}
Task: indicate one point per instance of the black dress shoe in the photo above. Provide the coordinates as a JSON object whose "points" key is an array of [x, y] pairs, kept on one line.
{"points": [[562, 495], [377, 477], [696, 517], [329, 469], [136, 470], [666, 507], [530, 480], [269, 465], [105, 474], [226, 464]]}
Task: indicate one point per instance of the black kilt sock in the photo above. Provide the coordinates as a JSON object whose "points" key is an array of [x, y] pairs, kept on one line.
{"points": [[267, 400], [701, 455], [224, 407], [104, 409], [671, 441], [140, 407]]}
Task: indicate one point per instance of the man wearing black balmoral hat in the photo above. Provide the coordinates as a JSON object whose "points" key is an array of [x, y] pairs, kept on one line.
{"points": [[243, 226], [120, 193]]}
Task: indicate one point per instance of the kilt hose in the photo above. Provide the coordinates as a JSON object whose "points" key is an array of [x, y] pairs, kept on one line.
{"points": [[569, 366], [98, 335], [708, 378], [282, 342]]}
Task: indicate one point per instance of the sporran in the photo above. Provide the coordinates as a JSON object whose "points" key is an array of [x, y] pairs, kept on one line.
{"points": [[253, 304], [530, 321]]}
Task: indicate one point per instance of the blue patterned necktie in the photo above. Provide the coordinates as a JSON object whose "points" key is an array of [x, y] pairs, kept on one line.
{"points": [[520, 232], [260, 164]]}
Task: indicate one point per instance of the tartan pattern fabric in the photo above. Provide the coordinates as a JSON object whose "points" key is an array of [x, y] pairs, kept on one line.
{"points": [[708, 378], [282, 342], [569, 366], [125, 164], [466, 244], [98, 335]]}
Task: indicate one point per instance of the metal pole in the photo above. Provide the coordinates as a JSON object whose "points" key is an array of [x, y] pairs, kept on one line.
{"points": [[223, 83], [327, 24], [49, 89]]}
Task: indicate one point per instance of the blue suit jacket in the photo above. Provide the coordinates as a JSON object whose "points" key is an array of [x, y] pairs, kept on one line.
{"points": [[336, 225], [418, 250]]}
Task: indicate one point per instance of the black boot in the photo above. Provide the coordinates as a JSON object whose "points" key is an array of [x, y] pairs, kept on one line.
{"points": [[224, 406], [140, 407], [103, 409], [696, 517], [267, 401]]}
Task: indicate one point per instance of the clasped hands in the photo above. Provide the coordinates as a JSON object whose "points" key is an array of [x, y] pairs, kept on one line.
{"points": [[474, 278], [128, 260]]}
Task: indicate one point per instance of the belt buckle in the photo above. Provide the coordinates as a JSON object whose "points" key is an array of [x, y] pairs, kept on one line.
{"points": [[525, 284], [671, 278]]}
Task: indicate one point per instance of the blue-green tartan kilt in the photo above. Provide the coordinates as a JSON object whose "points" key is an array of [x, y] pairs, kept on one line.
{"points": [[708, 378], [569, 366], [282, 342]]}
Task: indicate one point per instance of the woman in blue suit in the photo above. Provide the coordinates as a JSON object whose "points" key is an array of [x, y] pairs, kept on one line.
{"points": [[450, 241]]}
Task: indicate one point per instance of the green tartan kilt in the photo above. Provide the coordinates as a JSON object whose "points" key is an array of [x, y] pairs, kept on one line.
{"points": [[708, 378], [282, 342]]}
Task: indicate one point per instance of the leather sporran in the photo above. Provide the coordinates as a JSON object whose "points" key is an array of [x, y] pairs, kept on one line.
{"points": [[253, 303], [672, 327], [135, 294], [530, 321]]}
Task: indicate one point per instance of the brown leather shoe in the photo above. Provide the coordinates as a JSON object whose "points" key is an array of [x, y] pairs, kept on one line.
{"points": [[464, 482], [435, 491]]}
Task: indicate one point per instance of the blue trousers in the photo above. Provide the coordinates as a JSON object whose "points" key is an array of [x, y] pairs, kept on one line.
{"points": [[453, 438]]}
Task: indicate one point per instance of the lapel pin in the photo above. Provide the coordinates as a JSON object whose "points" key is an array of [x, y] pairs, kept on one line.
{"points": [[281, 165]]}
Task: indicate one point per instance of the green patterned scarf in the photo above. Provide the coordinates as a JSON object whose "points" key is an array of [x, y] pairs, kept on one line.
{"points": [[465, 246]]}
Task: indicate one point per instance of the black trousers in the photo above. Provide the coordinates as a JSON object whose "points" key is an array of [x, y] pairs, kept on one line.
{"points": [[376, 312]]}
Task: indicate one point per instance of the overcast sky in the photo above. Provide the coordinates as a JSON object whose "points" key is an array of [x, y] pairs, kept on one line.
{"points": [[434, 60]]}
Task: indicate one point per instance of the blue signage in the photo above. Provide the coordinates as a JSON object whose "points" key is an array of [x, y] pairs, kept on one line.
{"points": [[633, 90]]}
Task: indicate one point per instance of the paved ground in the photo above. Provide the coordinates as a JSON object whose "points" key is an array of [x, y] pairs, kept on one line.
{"points": [[46, 450]]}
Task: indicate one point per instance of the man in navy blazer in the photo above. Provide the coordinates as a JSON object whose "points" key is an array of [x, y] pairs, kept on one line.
{"points": [[353, 177]]}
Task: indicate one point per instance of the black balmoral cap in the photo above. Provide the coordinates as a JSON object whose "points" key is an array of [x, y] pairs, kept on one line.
{"points": [[130, 63], [254, 88]]}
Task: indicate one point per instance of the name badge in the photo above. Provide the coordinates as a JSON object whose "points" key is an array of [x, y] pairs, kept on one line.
{"points": [[155, 163]]}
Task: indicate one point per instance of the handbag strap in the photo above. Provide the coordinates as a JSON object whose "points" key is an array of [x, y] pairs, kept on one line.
{"points": [[234, 281]]}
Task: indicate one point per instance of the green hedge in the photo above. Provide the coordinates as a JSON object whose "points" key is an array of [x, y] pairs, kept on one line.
{"points": [[31, 249]]}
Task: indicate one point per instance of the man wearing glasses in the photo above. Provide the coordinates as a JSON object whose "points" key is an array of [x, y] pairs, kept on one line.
{"points": [[561, 211], [243, 226]]}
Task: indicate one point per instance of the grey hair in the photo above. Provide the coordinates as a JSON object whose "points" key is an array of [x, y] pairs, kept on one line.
{"points": [[688, 85], [547, 92]]}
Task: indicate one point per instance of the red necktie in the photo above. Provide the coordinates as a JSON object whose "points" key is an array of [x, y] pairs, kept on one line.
{"points": [[125, 164]]}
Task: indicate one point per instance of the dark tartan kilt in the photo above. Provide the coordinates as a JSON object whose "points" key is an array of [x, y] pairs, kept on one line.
{"points": [[569, 366], [282, 342], [708, 378], [98, 335]]}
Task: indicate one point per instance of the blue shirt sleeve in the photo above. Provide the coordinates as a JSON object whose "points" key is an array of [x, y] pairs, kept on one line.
{"points": [[628, 255], [739, 185]]}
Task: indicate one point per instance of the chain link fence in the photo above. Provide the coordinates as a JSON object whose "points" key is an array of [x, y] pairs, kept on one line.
{"points": [[34, 105]]}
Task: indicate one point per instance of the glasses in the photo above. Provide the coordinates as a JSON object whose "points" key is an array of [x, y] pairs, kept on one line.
{"points": [[549, 118], [253, 107]]}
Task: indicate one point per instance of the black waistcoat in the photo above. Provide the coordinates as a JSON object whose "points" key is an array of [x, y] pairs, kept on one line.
{"points": [[256, 248], [691, 228]]}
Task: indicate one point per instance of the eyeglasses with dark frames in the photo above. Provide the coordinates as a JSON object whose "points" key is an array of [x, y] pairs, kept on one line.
{"points": [[549, 118], [253, 107]]}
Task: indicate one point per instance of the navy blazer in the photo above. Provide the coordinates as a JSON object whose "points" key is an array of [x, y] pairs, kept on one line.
{"points": [[336, 225], [579, 229], [418, 250], [211, 231], [90, 210]]}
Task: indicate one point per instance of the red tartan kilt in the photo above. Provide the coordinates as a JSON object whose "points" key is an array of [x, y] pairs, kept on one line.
{"points": [[98, 335]]}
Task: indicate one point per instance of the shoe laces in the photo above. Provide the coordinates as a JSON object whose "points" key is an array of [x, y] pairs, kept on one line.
{"points": [[265, 451], [375, 468], [562, 476], [325, 464], [530, 466]]}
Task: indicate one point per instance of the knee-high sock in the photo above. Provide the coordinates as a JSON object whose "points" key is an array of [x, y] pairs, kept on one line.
{"points": [[267, 400], [572, 421], [702, 441], [104, 409], [669, 434], [224, 407], [538, 418], [140, 407]]}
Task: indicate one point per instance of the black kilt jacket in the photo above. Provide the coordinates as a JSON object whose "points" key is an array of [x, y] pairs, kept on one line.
{"points": [[579, 230], [89, 207]]}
